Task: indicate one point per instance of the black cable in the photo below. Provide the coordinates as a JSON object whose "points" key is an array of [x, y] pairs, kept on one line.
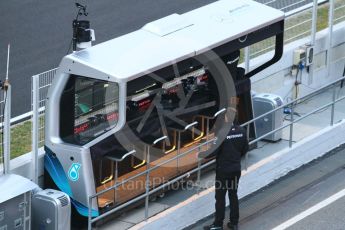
{"points": [[286, 117], [296, 82], [311, 97], [299, 78]]}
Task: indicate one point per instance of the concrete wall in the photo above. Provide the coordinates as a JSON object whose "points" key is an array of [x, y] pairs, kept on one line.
{"points": [[23, 166]]}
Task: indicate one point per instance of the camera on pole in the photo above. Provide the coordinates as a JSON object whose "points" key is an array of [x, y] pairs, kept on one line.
{"points": [[83, 36]]}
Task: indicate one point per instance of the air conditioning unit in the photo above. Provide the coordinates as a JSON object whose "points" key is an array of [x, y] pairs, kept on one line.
{"points": [[263, 103], [15, 202], [51, 210]]}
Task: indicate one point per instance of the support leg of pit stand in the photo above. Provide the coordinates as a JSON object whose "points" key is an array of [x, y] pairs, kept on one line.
{"points": [[207, 131], [147, 184], [178, 150], [199, 172], [115, 182]]}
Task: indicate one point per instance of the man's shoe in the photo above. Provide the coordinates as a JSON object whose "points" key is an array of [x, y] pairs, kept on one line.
{"points": [[232, 226], [213, 227]]}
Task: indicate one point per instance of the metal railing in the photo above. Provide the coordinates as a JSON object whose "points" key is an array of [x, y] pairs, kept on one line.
{"points": [[302, 17], [339, 11], [298, 24], [302, 20], [40, 86], [198, 148], [146, 173], [286, 6], [293, 104], [149, 169]]}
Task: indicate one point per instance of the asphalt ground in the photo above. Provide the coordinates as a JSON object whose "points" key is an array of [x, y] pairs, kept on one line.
{"points": [[293, 195], [40, 32]]}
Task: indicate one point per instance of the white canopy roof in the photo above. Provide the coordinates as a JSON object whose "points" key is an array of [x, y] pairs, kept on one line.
{"points": [[176, 37]]}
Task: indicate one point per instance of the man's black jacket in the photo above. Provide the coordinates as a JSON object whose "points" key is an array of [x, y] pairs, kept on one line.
{"points": [[229, 154]]}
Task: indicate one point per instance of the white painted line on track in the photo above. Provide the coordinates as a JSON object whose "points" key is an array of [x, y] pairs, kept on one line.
{"points": [[311, 210]]}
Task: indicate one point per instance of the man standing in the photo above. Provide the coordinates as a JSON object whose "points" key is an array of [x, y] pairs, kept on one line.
{"points": [[228, 173]]}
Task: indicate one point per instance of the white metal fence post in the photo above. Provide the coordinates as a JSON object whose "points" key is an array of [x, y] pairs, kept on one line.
{"points": [[247, 58], [7, 130], [314, 22], [35, 114], [291, 125], [312, 39], [330, 36]]}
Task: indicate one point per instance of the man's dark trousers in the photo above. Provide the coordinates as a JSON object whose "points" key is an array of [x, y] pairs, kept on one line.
{"points": [[227, 183]]}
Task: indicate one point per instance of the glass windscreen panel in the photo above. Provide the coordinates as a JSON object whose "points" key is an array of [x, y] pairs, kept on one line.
{"points": [[88, 109]]}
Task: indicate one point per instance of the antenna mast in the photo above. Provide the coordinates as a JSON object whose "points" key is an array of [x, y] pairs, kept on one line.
{"points": [[8, 60], [82, 34]]}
